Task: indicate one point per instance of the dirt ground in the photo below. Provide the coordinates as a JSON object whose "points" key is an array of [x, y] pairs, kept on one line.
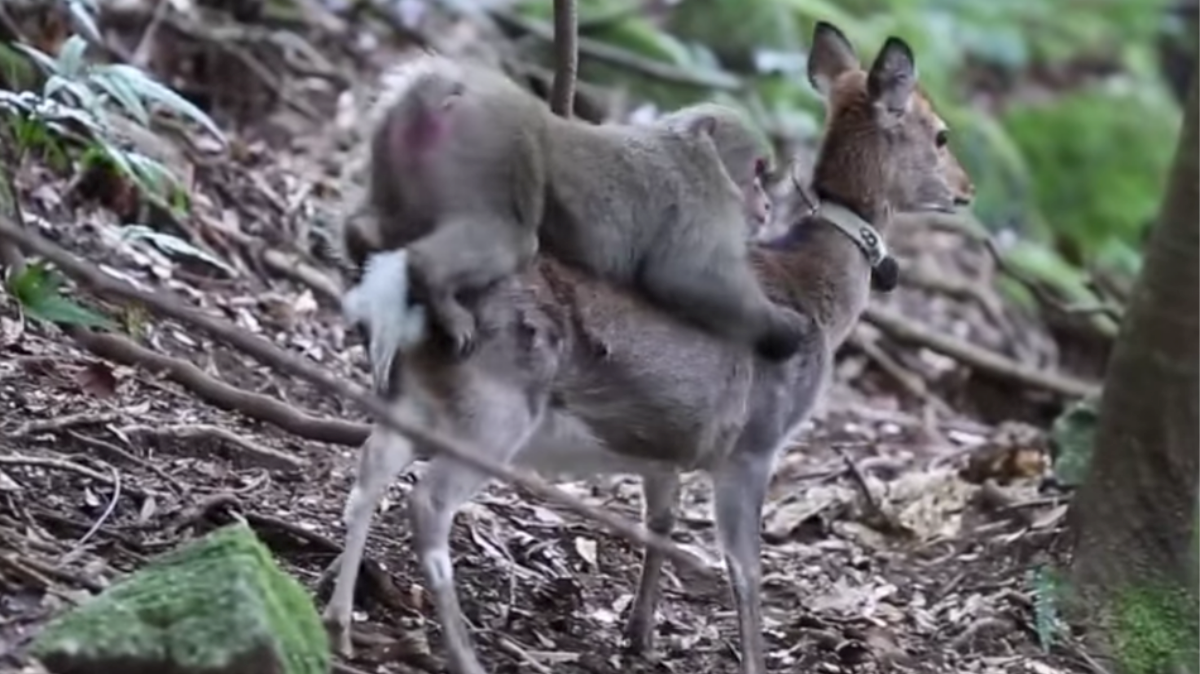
{"points": [[879, 555]]}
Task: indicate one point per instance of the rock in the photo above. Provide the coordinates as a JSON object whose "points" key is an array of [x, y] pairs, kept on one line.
{"points": [[218, 605]]}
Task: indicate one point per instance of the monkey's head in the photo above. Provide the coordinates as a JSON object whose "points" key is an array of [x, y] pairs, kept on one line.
{"points": [[900, 145], [744, 151]]}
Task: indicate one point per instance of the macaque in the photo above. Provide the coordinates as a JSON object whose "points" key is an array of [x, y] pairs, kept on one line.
{"points": [[477, 173], [741, 153], [458, 176]]}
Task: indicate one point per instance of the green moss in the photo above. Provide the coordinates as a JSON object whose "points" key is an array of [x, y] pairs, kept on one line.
{"points": [[1155, 630], [219, 604]]}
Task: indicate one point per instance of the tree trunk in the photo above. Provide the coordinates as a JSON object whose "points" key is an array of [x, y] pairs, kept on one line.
{"points": [[1134, 519]]}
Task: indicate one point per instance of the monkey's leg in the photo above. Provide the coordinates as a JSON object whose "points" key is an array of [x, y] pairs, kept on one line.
{"points": [[466, 254], [721, 295]]}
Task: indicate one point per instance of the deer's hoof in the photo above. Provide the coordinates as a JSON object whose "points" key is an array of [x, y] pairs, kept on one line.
{"points": [[339, 636]]}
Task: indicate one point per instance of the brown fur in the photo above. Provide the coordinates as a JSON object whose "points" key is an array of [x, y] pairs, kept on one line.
{"points": [[665, 398]]}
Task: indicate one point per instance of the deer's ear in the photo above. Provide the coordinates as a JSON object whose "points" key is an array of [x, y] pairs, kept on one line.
{"points": [[830, 56], [892, 80]]}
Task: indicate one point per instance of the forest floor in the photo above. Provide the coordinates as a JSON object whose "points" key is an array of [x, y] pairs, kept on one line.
{"points": [[901, 532]]}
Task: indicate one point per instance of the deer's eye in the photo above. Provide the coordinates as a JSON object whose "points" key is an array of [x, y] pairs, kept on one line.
{"points": [[760, 167], [942, 138]]}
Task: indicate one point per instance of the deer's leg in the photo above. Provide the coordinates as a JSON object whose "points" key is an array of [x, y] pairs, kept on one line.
{"points": [[739, 488], [660, 496], [382, 457], [445, 487]]}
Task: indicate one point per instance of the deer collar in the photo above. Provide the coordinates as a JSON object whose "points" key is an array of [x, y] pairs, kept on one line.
{"points": [[858, 229]]}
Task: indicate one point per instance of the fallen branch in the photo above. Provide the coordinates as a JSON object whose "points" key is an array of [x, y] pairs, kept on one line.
{"points": [[113, 450], [908, 380], [295, 268], [977, 358], [257, 454], [65, 422], [218, 393], [63, 464], [265, 351]]}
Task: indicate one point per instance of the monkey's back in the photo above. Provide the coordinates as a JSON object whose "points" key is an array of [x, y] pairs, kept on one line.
{"points": [[618, 192], [455, 140]]}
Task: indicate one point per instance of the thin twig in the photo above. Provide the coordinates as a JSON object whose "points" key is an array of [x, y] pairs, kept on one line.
{"points": [[170, 307], [108, 511], [874, 510], [295, 268], [257, 453], [66, 421], [56, 464], [113, 450]]}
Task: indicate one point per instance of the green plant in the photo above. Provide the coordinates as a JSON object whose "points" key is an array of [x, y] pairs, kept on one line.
{"points": [[38, 291], [74, 105]]}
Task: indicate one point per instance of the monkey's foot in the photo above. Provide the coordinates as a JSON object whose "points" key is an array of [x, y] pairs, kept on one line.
{"points": [[459, 326]]}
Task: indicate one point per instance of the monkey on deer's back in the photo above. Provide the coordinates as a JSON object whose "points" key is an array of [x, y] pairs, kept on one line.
{"points": [[471, 172]]}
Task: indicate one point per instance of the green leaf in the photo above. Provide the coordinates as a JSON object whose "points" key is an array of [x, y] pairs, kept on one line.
{"points": [[34, 284], [172, 245], [47, 63], [70, 57], [83, 14], [15, 69], [36, 289], [59, 309], [149, 89], [124, 94], [84, 97]]}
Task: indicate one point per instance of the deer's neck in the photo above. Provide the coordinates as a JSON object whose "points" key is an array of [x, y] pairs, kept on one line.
{"points": [[819, 268]]}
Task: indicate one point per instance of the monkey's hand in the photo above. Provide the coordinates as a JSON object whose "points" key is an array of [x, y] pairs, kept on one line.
{"points": [[380, 302]]}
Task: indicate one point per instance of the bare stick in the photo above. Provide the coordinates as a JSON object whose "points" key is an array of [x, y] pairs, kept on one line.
{"points": [[220, 394], [108, 511], [566, 57], [980, 359], [256, 453], [65, 422], [265, 351], [113, 450]]}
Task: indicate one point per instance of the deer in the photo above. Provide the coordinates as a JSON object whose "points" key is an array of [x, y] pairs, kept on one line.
{"points": [[661, 398]]}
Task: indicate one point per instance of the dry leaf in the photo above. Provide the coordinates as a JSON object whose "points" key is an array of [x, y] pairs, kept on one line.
{"points": [[586, 548], [98, 379]]}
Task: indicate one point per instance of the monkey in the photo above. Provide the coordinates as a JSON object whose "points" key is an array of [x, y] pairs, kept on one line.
{"points": [[656, 206], [742, 155], [474, 175], [458, 177]]}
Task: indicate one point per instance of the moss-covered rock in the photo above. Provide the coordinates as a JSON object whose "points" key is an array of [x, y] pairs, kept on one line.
{"points": [[219, 605]]}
